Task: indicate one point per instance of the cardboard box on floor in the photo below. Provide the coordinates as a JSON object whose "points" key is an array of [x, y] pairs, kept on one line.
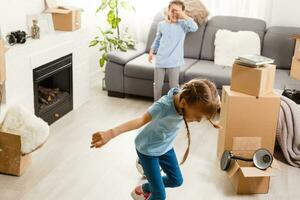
{"points": [[244, 176], [11, 159], [2, 61], [64, 18], [244, 115], [295, 69], [297, 48], [253, 81]]}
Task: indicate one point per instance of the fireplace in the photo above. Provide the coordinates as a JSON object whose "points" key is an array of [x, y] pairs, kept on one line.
{"points": [[53, 89]]}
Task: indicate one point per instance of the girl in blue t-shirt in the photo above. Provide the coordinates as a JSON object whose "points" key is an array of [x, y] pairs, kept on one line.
{"points": [[197, 99]]}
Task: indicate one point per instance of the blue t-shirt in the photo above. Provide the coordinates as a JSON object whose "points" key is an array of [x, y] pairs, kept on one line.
{"points": [[169, 41], [156, 138]]}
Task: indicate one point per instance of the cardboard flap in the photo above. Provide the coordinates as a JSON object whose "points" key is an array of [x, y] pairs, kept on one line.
{"points": [[71, 8], [58, 10], [51, 3], [254, 172], [233, 169]]}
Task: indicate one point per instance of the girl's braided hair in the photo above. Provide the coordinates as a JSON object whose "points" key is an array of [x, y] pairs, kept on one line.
{"points": [[203, 92]]}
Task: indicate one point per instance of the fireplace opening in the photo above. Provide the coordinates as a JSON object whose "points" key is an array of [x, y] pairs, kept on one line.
{"points": [[53, 89]]}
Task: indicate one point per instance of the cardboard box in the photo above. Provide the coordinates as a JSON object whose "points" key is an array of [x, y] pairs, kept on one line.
{"points": [[245, 116], [2, 61], [253, 81], [297, 48], [247, 179], [64, 18], [11, 160], [295, 69], [244, 176]]}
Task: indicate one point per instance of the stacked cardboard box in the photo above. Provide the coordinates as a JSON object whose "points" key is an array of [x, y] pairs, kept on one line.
{"points": [[249, 118], [295, 69]]}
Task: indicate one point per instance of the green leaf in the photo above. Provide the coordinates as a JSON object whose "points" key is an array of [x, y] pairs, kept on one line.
{"points": [[113, 4], [102, 6], [102, 60], [115, 23], [93, 43], [127, 6], [111, 17]]}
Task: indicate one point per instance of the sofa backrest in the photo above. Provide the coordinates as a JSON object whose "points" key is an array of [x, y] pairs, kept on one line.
{"points": [[192, 44], [279, 45], [230, 23]]}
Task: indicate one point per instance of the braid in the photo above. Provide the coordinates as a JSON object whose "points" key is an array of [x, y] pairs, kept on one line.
{"points": [[185, 156]]}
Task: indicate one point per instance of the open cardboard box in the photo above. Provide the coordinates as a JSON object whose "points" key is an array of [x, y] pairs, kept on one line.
{"points": [[244, 115], [247, 179], [253, 81], [244, 176], [295, 69], [65, 18], [11, 159]]}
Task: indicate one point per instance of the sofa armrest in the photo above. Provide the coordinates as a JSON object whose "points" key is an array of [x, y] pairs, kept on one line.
{"points": [[121, 57]]}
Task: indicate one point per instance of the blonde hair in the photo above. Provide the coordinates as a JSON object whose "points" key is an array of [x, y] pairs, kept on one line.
{"points": [[205, 93]]}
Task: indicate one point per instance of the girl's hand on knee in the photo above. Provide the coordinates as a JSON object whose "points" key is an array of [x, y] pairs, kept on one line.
{"points": [[100, 138]]}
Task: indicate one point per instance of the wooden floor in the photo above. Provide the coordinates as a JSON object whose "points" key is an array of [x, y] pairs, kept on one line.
{"points": [[67, 169]]}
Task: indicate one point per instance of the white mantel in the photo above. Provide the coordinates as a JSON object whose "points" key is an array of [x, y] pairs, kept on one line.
{"points": [[22, 59]]}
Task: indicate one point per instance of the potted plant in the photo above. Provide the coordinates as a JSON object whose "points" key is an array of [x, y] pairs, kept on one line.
{"points": [[113, 38]]}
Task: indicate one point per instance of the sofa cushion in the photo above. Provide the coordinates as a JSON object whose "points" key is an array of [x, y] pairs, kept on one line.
{"points": [[283, 80], [192, 44], [122, 57], [220, 75], [230, 23], [141, 68], [279, 45]]}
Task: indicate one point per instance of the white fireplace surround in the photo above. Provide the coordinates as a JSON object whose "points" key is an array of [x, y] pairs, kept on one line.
{"points": [[22, 59]]}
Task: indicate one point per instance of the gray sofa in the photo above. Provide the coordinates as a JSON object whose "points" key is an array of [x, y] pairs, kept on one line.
{"points": [[130, 73]]}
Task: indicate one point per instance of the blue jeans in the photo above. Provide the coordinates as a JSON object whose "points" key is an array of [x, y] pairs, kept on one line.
{"points": [[157, 183]]}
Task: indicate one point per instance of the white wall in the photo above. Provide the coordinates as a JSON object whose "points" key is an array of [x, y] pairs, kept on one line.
{"points": [[285, 13], [13, 16]]}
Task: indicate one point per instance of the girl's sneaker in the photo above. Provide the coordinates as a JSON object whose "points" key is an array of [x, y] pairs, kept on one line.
{"points": [[138, 194]]}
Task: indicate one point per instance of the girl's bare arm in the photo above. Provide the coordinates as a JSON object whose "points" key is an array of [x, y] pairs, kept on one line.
{"points": [[102, 137]]}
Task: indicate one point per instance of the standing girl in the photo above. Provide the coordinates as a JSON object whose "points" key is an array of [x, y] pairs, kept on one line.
{"points": [[168, 46], [154, 143]]}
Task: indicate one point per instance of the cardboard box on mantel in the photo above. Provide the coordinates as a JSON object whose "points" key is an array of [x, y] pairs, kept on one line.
{"points": [[65, 18], [297, 47], [253, 81], [244, 115]]}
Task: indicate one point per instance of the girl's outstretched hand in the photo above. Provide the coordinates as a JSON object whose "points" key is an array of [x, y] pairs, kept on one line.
{"points": [[101, 138]]}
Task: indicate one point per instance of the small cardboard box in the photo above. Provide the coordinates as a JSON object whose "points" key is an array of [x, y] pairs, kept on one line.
{"points": [[247, 179], [246, 116], [64, 18], [11, 159], [295, 69], [244, 176], [253, 81], [297, 48], [2, 61]]}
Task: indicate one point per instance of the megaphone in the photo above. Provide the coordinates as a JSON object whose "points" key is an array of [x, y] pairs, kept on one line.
{"points": [[262, 159]]}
